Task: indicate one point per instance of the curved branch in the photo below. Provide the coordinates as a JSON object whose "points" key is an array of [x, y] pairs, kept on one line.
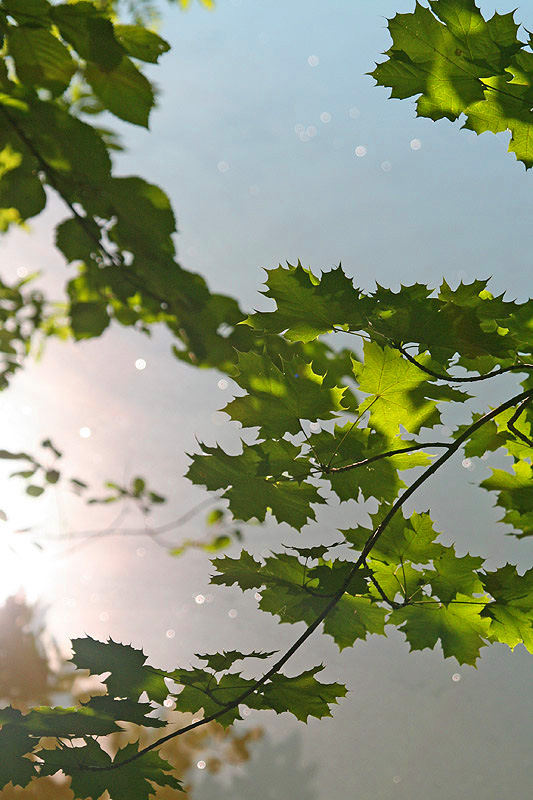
{"points": [[444, 377], [511, 424], [388, 454], [371, 541], [167, 527]]}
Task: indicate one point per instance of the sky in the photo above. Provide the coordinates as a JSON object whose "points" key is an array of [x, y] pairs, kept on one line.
{"points": [[274, 145]]}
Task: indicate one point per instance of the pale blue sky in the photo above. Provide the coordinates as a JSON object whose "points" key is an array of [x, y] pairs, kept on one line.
{"points": [[237, 83]]}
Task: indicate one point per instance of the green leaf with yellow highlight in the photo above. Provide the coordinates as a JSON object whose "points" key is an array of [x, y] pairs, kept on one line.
{"points": [[278, 397]]}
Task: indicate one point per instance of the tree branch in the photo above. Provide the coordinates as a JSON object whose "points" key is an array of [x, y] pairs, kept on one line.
{"points": [[511, 424], [444, 377], [371, 541], [392, 603], [388, 454], [115, 259]]}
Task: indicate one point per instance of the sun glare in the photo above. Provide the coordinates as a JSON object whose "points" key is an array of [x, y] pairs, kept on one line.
{"points": [[24, 569]]}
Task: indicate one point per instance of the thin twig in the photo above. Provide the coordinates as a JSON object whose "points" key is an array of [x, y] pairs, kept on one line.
{"points": [[452, 379], [156, 531], [404, 578], [347, 433], [381, 591], [456, 602], [511, 424], [388, 454], [352, 333]]}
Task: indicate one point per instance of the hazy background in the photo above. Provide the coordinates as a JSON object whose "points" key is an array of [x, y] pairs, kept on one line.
{"points": [[262, 107]]}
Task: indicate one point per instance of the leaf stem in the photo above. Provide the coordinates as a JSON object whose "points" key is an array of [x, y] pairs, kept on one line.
{"points": [[350, 429]]}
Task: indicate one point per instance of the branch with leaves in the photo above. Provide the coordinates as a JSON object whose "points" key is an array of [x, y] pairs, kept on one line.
{"points": [[371, 415], [394, 573]]}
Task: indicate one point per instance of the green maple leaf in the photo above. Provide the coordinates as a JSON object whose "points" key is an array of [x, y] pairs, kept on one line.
{"points": [[124, 710], [515, 446], [399, 393], [458, 62], [251, 490], [459, 626], [478, 325], [511, 612], [15, 743], [466, 295], [202, 690], [427, 59], [395, 579], [515, 495], [129, 674], [296, 593], [133, 781], [506, 107], [244, 570], [348, 445], [279, 397], [485, 439], [410, 539], [489, 43], [485, 330], [452, 574], [412, 315], [313, 553], [302, 695], [308, 306], [354, 618], [219, 662], [44, 721]]}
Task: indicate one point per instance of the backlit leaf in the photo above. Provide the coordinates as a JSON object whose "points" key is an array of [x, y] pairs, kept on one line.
{"points": [[134, 781], [123, 90], [40, 59]]}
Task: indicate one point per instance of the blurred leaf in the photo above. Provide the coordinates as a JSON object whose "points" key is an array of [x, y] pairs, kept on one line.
{"points": [[141, 43], [89, 32], [123, 90], [34, 491], [88, 319], [40, 59], [78, 241]]}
